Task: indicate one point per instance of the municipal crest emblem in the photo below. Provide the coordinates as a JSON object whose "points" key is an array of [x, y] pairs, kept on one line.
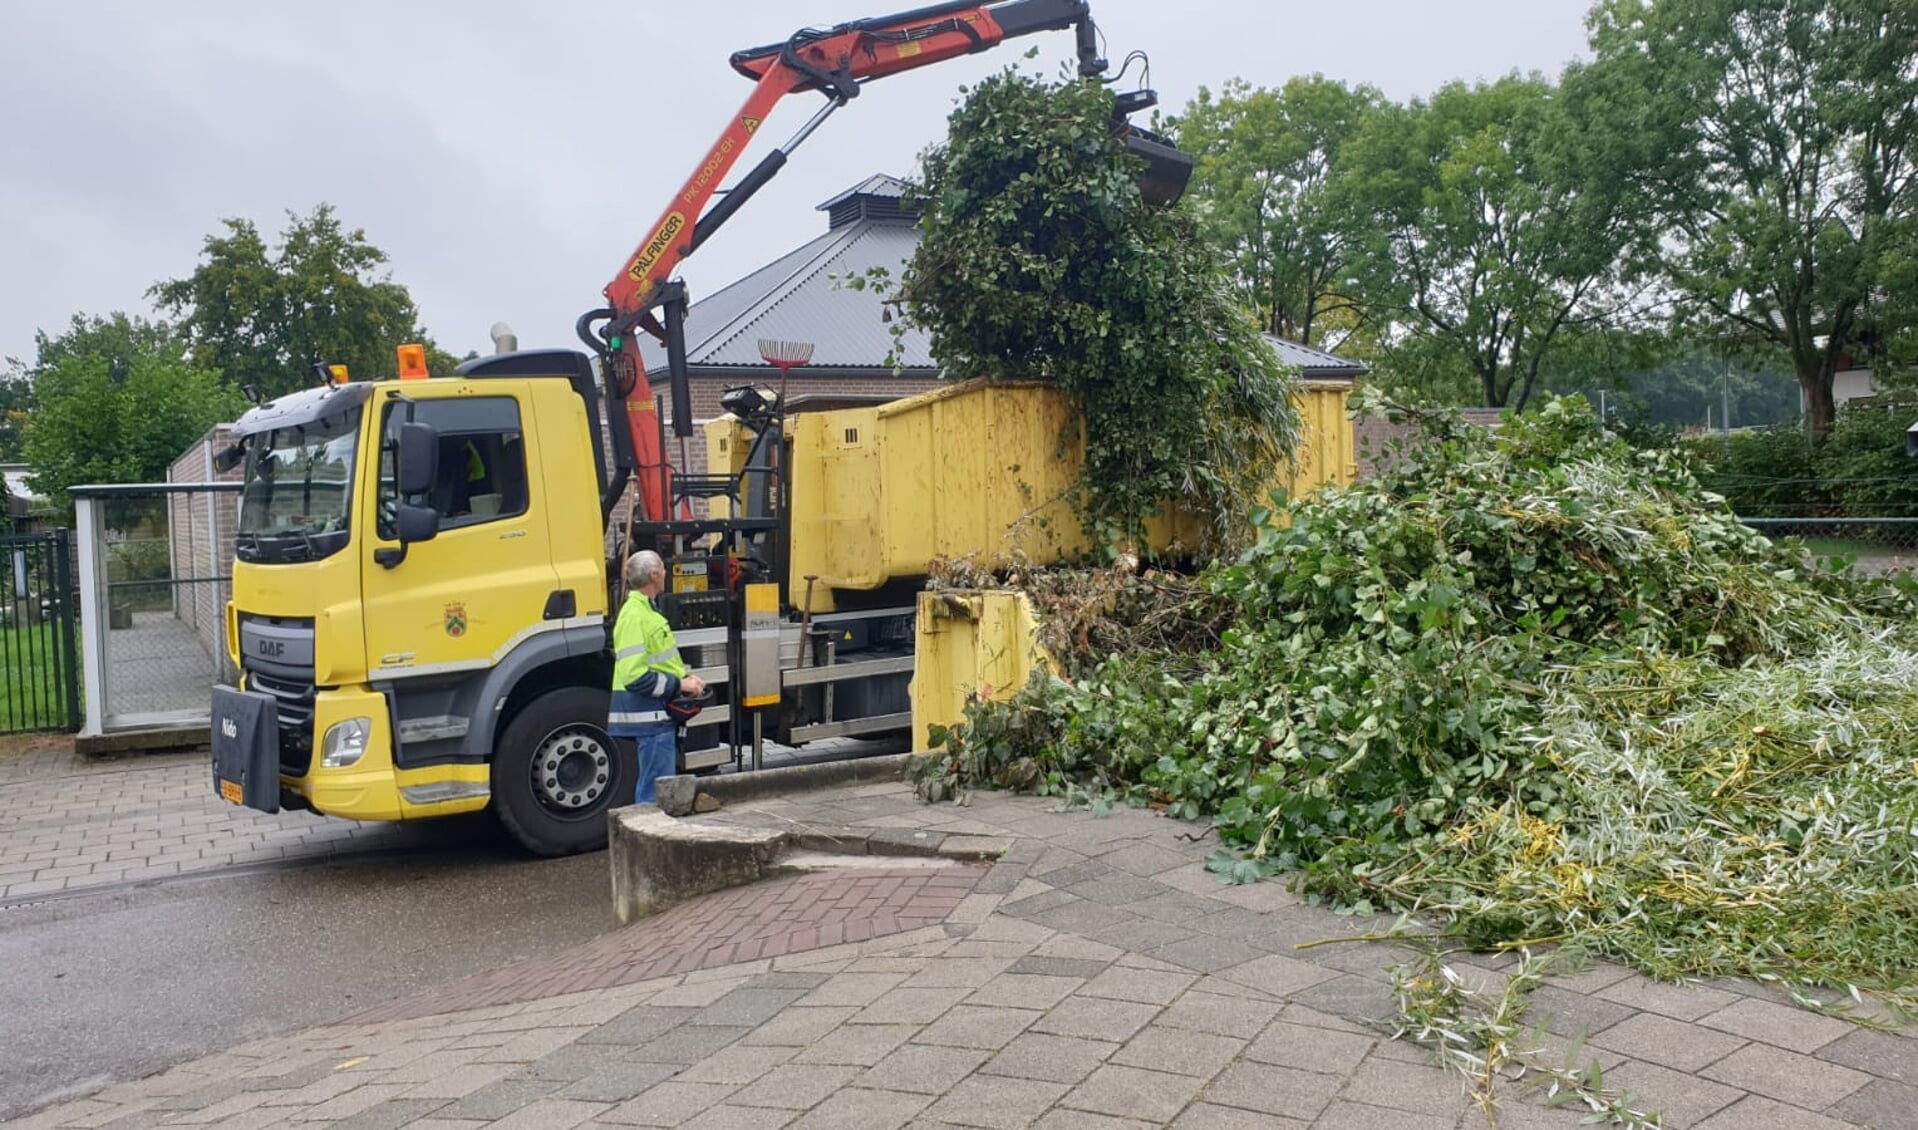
{"points": [[456, 620]]}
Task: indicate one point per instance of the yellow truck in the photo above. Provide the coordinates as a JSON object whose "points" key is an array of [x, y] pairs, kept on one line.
{"points": [[422, 599]]}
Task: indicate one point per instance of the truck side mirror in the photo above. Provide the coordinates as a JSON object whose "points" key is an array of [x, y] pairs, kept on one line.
{"points": [[410, 524], [1911, 442], [419, 457], [415, 523], [230, 456]]}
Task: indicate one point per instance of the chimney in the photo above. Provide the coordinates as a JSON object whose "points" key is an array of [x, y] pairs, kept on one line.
{"points": [[504, 340]]}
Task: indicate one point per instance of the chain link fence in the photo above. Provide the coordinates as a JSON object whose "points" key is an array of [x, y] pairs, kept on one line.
{"points": [[1875, 544], [156, 564]]}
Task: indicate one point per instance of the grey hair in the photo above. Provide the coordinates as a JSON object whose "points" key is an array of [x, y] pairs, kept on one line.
{"points": [[642, 567]]}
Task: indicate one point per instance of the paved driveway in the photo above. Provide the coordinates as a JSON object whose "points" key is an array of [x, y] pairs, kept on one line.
{"points": [[70, 824], [144, 922], [1096, 976]]}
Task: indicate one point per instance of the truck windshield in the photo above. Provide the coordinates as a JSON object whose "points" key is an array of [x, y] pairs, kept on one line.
{"points": [[298, 492]]}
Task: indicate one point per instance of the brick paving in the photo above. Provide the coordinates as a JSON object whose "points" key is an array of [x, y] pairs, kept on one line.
{"points": [[769, 919], [70, 824], [1095, 977]]}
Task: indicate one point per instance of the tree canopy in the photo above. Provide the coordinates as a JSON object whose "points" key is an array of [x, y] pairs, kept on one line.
{"points": [[1735, 177], [1788, 176], [16, 406], [1271, 185], [1492, 241], [263, 316], [116, 400]]}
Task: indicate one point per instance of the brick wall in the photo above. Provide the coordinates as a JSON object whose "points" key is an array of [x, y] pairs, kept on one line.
{"points": [[201, 529], [1373, 439]]}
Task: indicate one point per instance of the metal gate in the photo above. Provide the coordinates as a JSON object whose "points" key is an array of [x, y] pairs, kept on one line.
{"points": [[39, 651], [155, 573]]}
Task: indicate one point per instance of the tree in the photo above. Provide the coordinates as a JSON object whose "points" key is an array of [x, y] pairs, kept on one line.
{"points": [[1789, 177], [263, 318], [1269, 183], [1497, 233], [1039, 259], [16, 403], [116, 400]]}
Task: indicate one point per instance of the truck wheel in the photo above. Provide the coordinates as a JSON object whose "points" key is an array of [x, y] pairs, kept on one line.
{"points": [[556, 773]]}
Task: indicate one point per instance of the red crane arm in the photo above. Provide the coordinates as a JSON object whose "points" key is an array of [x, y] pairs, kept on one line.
{"points": [[836, 61]]}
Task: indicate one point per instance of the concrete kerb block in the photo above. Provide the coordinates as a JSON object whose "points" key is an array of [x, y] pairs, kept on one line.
{"points": [[675, 795], [904, 841], [659, 861], [158, 739], [730, 787], [839, 839], [988, 848]]}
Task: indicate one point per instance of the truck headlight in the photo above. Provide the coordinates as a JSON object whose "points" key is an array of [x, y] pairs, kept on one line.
{"points": [[345, 742]]}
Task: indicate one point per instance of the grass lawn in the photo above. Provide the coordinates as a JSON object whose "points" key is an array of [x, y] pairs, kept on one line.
{"points": [[32, 693]]}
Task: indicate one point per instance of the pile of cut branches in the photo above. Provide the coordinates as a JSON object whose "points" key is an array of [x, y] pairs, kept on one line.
{"points": [[1534, 685]]}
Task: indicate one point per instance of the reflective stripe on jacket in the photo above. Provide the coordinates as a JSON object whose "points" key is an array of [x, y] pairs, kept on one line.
{"points": [[646, 668]]}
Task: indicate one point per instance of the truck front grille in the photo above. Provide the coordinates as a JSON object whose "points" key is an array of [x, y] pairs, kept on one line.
{"points": [[295, 710]]}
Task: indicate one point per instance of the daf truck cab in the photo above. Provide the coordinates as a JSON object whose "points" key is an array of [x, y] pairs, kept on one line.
{"points": [[420, 604]]}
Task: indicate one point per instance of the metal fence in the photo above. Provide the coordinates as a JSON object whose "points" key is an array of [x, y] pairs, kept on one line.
{"points": [[39, 651], [1875, 544], [156, 569]]}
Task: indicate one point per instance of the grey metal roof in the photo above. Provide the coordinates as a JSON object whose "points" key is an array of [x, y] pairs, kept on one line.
{"points": [[797, 297], [878, 184], [1314, 363]]}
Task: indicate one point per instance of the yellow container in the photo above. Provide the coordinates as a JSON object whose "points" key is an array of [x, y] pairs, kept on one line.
{"points": [[981, 470], [978, 469], [987, 642], [1326, 455]]}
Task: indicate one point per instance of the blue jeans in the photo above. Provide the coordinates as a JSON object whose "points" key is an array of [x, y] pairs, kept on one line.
{"points": [[658, 757]]}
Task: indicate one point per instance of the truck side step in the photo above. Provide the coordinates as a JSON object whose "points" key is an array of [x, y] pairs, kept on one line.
{"points": [[804, 676], [876, 724]]}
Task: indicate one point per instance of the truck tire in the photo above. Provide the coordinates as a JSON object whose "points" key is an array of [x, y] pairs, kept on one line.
{"points": [[556, 773]]}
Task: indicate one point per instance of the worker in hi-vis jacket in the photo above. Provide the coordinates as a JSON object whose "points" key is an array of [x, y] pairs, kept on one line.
{"points": [[647, 674]]}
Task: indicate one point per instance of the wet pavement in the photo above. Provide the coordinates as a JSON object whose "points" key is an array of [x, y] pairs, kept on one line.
{"points": [[275, 924], [1095, 976]]}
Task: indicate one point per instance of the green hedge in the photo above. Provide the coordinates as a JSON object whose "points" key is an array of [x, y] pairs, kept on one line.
{"points": [[1861, 472]]}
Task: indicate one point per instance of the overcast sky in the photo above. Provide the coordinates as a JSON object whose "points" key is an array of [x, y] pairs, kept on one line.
{"points": [[508, 156]]}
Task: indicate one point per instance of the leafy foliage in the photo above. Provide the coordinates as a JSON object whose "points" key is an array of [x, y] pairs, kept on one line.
{"points": [[1788, 130], [1271, 185], [1864, 461], [16, 404], [115, 401], [1538, 682], [1483, 1033], [264, 318], [1040, 260], [1496, 233], [1770, 472], [1861, 471]]}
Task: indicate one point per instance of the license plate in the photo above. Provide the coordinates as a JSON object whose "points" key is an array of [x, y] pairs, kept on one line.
{"points": [[231, 791]]}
